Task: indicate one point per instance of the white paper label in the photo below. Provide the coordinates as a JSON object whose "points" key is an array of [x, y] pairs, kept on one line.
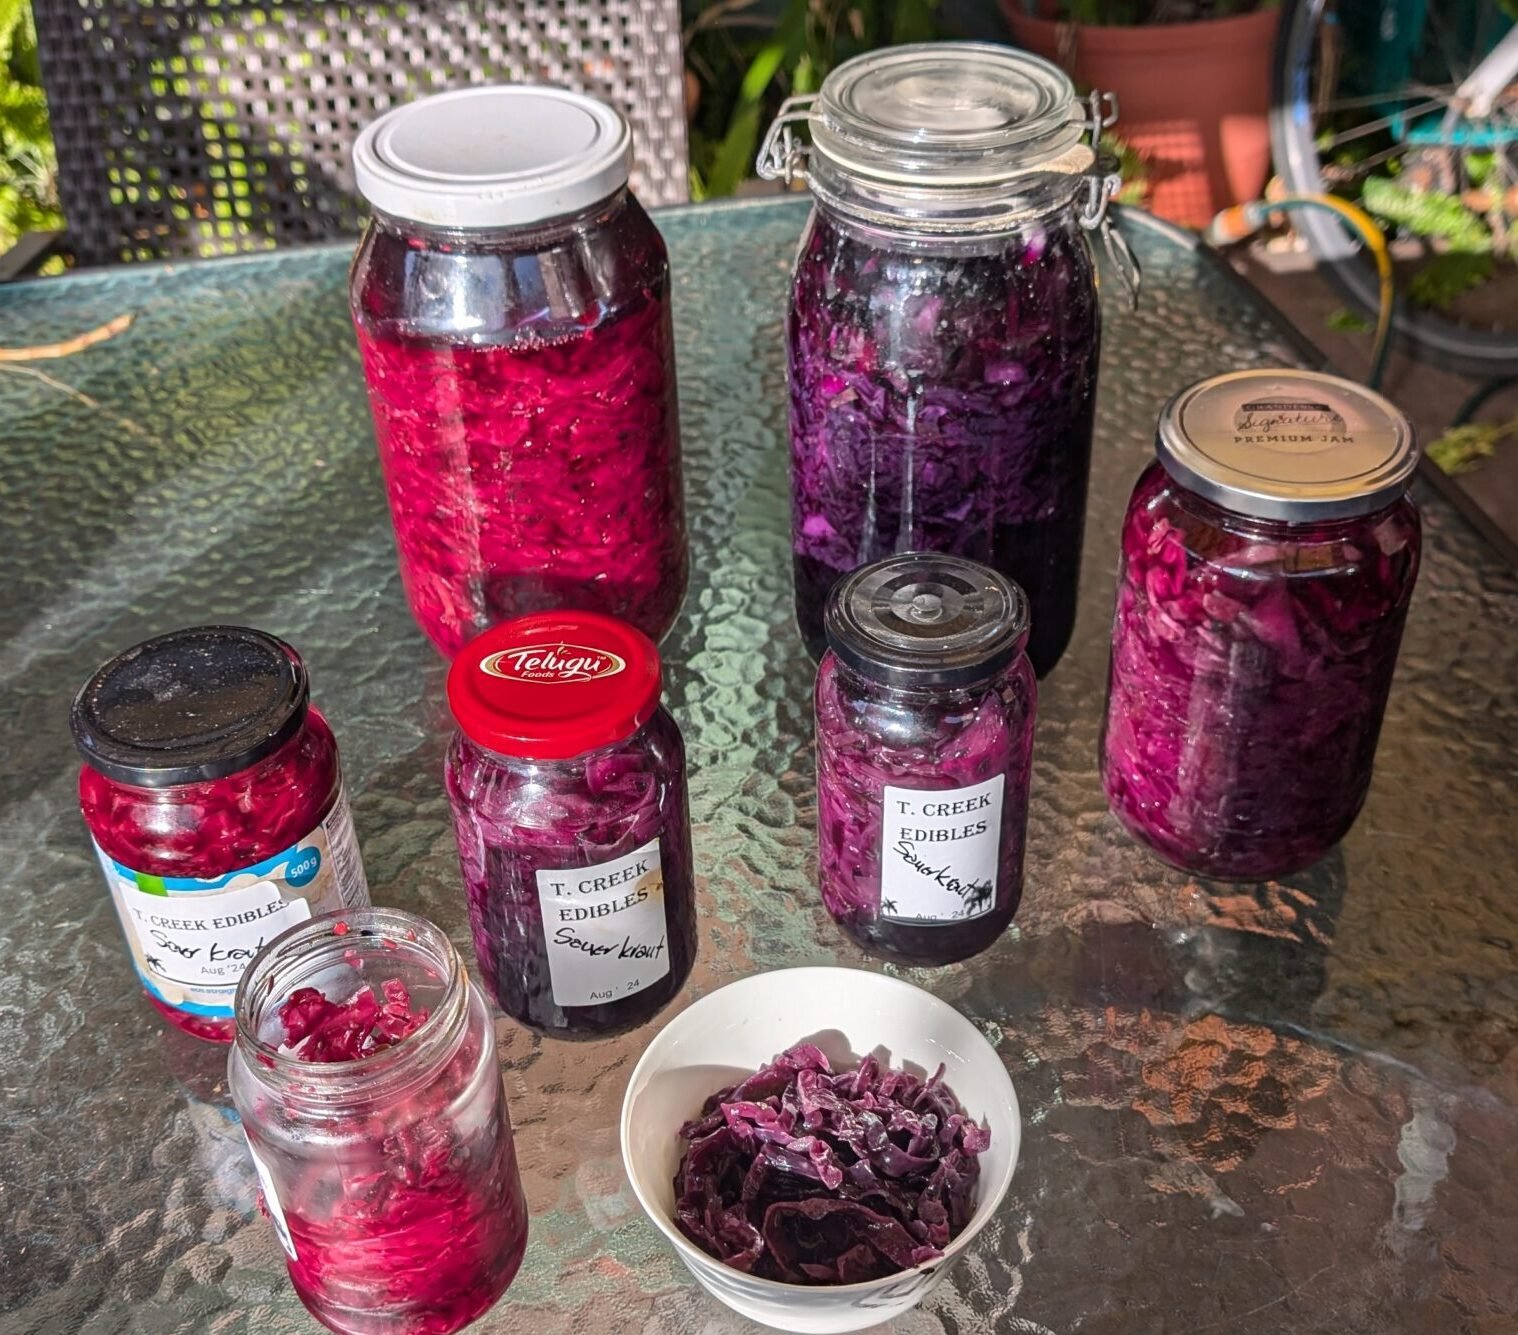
{"points": [[191, 939], [271, 1201], [605, 928], [940, 852]]}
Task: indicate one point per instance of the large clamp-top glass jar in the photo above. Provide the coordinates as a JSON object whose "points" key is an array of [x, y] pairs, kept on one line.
{"points": [[944, 328], [1268, 560], [512, 306]]}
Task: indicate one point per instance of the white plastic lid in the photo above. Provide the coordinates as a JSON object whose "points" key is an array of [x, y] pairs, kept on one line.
{"points": [[493, 157]]}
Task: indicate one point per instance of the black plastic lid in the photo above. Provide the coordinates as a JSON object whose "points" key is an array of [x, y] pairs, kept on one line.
{"points": [[926, 619], [191, 705]]}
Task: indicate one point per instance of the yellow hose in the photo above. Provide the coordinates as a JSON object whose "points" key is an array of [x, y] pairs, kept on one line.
{"points": [[1243, 219]]}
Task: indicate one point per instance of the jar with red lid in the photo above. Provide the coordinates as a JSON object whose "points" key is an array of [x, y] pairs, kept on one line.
{"points": [[567, 782], [214, 796], [512, 304]]}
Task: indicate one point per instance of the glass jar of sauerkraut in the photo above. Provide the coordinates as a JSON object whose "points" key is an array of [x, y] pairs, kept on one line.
{"points": [[511, 299], [944, 330], [567, 782], [925, 707], [213, 793], [365, 1075], [1268, 559]]}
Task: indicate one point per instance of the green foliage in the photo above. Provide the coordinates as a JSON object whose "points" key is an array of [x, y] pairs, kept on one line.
{"points": [[1131, 166], [1430, 213], [28, 169], [1345, 321], [1446, 277], [1463, 448], [748, 60]]}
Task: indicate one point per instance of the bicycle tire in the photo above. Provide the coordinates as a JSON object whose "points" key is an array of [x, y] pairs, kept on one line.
{"points": [[1428, 336]]}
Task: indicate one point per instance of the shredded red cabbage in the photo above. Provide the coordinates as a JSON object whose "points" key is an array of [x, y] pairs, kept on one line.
{"points": [[205, 830], [868, 738], [943, 401], [810, 1177], [1251, 663], [537, 464], [514, 818], [426, 1225]]}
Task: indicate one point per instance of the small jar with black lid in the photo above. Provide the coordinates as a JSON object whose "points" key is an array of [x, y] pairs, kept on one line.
{"points": [[213, 793], [1268, 560], [925, 707], [567, 782]]}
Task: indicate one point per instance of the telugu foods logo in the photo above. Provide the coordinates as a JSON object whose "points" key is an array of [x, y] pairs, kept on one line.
{"points": [[552, 663]]}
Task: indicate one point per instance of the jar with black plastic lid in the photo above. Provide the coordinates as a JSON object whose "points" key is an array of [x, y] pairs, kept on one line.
{"points": [[925, 708], [213, 793]]}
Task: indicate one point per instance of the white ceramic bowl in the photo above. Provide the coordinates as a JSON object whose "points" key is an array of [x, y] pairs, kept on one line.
{"points": [[848, 1013]]}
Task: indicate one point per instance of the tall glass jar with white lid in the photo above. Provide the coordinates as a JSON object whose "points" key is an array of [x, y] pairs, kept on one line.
{"points": [[511, 299], [944, 331]]}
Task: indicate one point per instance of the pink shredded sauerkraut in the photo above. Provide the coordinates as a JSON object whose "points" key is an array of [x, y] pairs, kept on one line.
{"points": [[808, 1176], [205, 830], [1251, 663], [423, 1227], [869, 737], [533, 463]]}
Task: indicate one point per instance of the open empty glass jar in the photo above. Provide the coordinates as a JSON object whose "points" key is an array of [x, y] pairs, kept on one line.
{"points": [[365, 1074], [512, 305], [943, 331], [1268, 559], [925, 707]]}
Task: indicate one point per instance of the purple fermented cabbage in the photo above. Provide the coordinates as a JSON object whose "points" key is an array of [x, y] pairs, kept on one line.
{"points": [[1251, 663], [514, 818], [531, 452], [808, 1176], [942, 400], [868, 737]]}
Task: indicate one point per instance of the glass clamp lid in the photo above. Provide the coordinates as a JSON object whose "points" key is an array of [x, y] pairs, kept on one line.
{"points": [[1289, 445], [926, 619], [945, 117]]}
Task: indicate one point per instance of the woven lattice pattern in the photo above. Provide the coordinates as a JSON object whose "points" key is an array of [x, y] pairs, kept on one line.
{"points": [[191, 127]]}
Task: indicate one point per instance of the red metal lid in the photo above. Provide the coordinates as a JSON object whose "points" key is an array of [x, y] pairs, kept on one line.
{"points": [[554, 684]]}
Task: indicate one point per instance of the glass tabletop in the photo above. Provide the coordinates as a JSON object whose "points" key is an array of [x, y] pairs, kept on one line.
{"points": [[1286, 1107]]}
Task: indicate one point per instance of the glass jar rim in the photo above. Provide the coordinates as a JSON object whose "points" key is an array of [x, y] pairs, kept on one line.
{"points": [[302, 952]]}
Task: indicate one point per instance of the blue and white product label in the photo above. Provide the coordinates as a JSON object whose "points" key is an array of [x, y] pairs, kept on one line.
{"points": [[191, 939], [940, 852], [604, 927]]}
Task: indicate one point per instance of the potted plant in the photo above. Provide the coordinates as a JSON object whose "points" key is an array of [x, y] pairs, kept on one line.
{"points": [[1192, 79]]}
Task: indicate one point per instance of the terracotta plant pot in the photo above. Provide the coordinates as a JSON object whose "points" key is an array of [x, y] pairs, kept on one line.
{"points": [[1193, 99]]}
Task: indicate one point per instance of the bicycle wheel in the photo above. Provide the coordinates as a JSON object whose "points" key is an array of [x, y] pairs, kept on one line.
{"points": [[1364, 90]]}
